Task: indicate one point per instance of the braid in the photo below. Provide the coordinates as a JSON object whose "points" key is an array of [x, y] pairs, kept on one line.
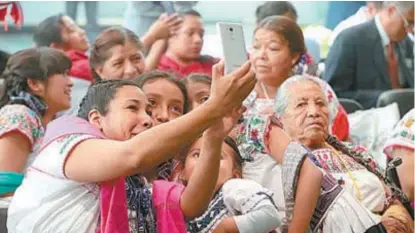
{"points": [[13, 84], [359, 158]]}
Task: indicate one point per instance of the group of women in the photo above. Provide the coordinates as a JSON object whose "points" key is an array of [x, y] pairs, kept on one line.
{"points": [[149, 153]]}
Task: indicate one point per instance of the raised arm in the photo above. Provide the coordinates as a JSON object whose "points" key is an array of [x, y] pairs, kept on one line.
{"points": [[202, 183], [101, 160], [155, 53], [200, 188], [161, 29]]}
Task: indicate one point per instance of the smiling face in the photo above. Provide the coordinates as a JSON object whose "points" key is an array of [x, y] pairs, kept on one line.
{"points": [[127, 115], [306, 117], [125, 62], [56, 92], [227, 168], [165, 98]]}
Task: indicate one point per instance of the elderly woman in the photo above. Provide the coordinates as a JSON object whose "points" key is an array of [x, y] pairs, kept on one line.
{"points": [[279, 52], [302, 106]]}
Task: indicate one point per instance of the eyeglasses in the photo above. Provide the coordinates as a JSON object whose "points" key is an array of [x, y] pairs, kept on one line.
{"points": [[406, 24]]}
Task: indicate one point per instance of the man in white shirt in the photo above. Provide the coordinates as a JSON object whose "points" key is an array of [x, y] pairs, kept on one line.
{"points": [[364, 14]]}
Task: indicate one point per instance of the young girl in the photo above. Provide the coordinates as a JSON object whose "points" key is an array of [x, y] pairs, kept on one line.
{"points": [[168, 100], [166, 94], [37, 87], [198, 88], [238, 205]]}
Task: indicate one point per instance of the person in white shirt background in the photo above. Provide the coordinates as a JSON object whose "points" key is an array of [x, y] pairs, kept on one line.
{"points": [[364, 14]]}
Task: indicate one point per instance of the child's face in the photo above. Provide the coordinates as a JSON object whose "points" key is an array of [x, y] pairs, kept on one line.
{"points": [[73, 36], [226, 167], [198, 93], [166, 100]]}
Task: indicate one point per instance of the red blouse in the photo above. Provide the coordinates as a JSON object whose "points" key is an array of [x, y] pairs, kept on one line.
{"points": [[203, 65], [80, 65]]}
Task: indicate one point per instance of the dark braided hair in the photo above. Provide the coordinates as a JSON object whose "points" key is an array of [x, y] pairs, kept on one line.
{"points": [[359, 158], [238, 161]]}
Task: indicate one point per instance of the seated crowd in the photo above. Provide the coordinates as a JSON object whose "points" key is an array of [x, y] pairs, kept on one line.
{"points": [[148, 135]]}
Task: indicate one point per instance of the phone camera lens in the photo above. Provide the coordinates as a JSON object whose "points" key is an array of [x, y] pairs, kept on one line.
{"points": [[231, 29]]}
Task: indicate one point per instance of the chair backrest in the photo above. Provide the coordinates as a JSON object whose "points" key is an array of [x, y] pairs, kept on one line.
{"points": [[350, 105], [403, 97]]}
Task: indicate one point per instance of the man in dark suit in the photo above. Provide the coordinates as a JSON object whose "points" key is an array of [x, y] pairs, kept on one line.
{"points": [[375, 56]]}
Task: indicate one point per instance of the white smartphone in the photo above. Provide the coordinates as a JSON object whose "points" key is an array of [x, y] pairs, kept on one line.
{"points": [[233, 45]]}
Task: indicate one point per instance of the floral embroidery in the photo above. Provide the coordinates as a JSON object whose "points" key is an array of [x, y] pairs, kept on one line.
{"points": [[329, 161], [409, 123], [24, 120], [251, 136]]}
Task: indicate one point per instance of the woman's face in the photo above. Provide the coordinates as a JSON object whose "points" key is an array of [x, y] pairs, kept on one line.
{"points": [[271, 57], [198, 93], [227, 169], [306, 116], [56, 92], [126, 62], [166, 100], [127, 116]]}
